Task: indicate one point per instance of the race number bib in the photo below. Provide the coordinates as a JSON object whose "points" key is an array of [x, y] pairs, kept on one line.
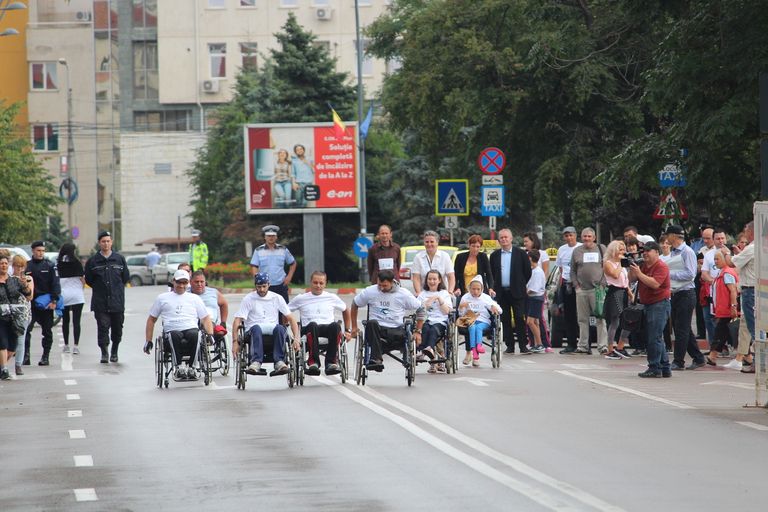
{"points": [[591, 257], [386, 264]]}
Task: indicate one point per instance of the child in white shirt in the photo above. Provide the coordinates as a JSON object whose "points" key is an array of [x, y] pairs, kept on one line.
{"points": [[535, 288], [483, 305]]}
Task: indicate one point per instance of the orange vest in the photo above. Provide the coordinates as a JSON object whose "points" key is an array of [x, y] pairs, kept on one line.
{"points": [[723, 294]]}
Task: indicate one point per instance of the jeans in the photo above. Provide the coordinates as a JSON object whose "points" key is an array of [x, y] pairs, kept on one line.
{"points": [[709, 323], [184, 343], [20, 352], [655, 319], [279, 335], [393, 337], [748, 308], [476, 331], [683, 304], [430, 333], [314, 332]]}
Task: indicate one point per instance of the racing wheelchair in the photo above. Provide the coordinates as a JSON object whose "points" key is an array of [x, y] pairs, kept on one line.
{"points": [[164, 367], [408, 350], [492, 338], [294, 359]]}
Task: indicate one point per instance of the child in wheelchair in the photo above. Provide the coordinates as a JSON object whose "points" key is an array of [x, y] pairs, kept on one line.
{"points": [[476, 308]]}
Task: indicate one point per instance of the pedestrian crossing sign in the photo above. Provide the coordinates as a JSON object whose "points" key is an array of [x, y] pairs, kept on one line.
{"points": [[451, 197]]}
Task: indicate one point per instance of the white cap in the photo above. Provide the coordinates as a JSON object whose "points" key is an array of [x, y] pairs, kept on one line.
{"points": [[181, 274], [644, 239], [478, 278]]}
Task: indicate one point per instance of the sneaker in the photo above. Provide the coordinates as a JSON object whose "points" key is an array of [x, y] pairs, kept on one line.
{"points": [[623, 353], [481, 349], [280, 368], [441, 368], [525, 352], [19, 371], [612, 355], [603, 351], [191, 374], [180, 373], [467, 359], [676, 367], [475, 355], [748, 369], [375, 365], [75, 350], [549, 350], [476, 362], [254, 368], [650, 374], [65, 349], [538, 349], [638, 352], [733, 365], [587, 351], [332, 369], [5, 374], [428, 353], [710, 362], [568, 350], [422, 358], [694, 365], [314, 370]]}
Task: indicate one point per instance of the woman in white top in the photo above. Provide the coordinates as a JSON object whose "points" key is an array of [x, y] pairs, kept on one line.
{"points": [[437, 302], [482, 305], [616, 298], [70, 272]]}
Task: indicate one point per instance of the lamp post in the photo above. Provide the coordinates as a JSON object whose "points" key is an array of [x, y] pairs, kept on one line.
{"points": [[361, 148], [70, 146], [9, 6]]}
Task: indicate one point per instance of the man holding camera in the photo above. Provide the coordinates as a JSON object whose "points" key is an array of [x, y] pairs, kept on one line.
{"points": [[682, 272]]}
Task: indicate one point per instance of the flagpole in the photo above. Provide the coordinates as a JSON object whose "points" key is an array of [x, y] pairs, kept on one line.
{"points": [[363, 212]]}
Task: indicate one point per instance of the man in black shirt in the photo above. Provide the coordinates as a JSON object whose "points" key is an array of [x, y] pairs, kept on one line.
{"points": [[46, 282]]}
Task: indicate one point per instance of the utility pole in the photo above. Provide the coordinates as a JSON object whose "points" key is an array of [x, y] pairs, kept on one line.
{"points": [[70, 148], [361, 147]]}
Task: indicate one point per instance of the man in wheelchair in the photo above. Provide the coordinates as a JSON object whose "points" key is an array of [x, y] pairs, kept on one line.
{"points": [[316, 308], [387, 304], [182, 314], [260, 312]]}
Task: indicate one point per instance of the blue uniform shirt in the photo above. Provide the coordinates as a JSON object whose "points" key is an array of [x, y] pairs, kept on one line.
{"points": [[272, 262]]}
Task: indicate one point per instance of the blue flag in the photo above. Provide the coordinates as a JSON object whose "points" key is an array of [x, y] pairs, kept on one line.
{"points": [[366, 123]]}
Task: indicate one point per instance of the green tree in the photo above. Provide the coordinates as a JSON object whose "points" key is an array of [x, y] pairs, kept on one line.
{"points": [[27, 194], [295, 84]]}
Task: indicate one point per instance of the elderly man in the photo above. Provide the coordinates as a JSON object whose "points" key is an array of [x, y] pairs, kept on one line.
{"points": [[271, 258], [586, 274], [566, 292], [432, 259], [511, 270], [745, 265], [383, 255]]}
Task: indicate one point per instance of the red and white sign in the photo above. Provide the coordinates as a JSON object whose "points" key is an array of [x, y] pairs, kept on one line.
{"points": [[296, 168], [491, 161], [670, 207]]}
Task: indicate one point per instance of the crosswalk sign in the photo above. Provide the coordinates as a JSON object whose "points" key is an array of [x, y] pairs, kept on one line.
{"points": [[451, 197]]}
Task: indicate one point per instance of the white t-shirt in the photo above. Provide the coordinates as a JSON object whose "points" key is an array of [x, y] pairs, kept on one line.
{"points": [[564, 254], [709, 264], [537, 283], [179, 311], [480, 305], [435, 314], [265, 310], [317, 308], [387, 308], [440, 262]]}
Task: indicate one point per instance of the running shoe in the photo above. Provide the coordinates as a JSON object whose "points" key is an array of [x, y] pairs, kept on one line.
{"points": [[612, 355]]}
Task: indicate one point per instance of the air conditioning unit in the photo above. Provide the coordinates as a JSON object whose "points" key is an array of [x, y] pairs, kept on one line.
{"points": [[83, 15], [324, 14], [210, 86]]}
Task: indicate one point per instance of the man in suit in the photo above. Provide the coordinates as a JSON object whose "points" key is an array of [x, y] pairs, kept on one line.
{"points": [[511, 270]]}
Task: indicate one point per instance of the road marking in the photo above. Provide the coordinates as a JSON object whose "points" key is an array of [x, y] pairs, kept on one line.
{"points": [[543, 497], [755, 426], [583, 366], [70, 382], [77, 434], [73, 396], [85, 494], [741, 385], [475, 381], [526, 361], [627, 390], [74, 414], [66, 362], [83, 461]]}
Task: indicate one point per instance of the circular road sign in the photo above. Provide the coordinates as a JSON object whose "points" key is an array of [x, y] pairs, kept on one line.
{"points": [[491, 161]]}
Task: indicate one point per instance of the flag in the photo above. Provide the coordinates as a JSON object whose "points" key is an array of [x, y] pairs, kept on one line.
{"points": [[338, 125], [366, 123]]}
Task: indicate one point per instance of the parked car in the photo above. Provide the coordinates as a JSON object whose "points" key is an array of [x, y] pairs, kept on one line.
{"points": [[163, 271], [408, 252], [14, 250], [52, 256], [141, 274]]}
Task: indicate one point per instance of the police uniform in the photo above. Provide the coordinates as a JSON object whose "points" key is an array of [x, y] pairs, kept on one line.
{"points": [[273, 262]]}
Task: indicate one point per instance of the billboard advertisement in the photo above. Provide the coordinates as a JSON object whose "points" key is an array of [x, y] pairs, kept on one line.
{"points": [[300, 168]]}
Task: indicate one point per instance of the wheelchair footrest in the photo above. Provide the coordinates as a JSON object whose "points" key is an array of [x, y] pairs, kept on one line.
{"points": [[260, 372]]}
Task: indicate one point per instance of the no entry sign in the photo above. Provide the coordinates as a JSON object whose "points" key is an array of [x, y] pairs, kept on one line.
{"points": [[491, 161]]}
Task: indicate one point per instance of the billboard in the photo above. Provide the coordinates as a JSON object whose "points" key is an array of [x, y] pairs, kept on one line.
{"points": [[300, 168]]}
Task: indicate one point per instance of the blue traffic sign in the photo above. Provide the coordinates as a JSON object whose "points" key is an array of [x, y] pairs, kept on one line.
{"points": [[362, 245], [492, 201], [451, 197], [672, 176], [491, 161]]}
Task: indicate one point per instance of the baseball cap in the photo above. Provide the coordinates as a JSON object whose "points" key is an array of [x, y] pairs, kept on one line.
{"points": [[569, 229], [644, 239], [180, 275], [651, 246]]}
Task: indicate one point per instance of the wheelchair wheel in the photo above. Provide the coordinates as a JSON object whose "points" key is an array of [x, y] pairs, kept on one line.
{"points": [[410, 358], [301, 363], [343, 362], [360, 360], [205, 358], [241, 361], [498, 332], [159, 366], [292, 367], [223, 352]]}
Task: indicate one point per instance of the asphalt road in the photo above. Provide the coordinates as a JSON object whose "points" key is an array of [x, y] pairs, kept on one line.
{"points": [[544, 432]]}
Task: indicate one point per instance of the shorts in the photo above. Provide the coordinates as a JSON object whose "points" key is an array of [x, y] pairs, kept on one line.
{"points": [[8, 337], [533, 306]]}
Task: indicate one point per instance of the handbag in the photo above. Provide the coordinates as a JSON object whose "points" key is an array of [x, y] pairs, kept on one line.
{"points": [[600, 292], [466, 319], [632, 317]]}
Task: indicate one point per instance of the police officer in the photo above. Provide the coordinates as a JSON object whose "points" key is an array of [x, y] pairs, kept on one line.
{"points": [[46, 282], [106, 272], [272, 258], [198, 252]]}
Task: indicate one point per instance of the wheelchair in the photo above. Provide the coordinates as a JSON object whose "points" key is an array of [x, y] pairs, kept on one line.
{"points": [[450, 342], [341, 355], [164, 359], [408, 349], [293, 359], [219, 354], [494, 343]]}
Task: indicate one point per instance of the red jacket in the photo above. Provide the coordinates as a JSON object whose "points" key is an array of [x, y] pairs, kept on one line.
{"points": [[722, 304]]}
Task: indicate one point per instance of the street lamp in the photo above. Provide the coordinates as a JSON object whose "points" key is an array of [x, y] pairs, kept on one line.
{"points": [[10, 6], [70, 147], [363, 213]]}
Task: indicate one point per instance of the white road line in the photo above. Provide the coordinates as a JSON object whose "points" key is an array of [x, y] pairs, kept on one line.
{"points": [[742, 385], [83, 461], [545, 498], [526, 361], [75, 413], [77, 434], [73, 396], [755, 426], [627, 390], [70, 382], [85, 494]]}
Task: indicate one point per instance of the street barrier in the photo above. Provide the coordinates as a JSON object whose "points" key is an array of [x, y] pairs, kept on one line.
{"points": [[761, 373]]}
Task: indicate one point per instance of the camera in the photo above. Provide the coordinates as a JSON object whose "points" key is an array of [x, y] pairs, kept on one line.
{"points": [[633, 257]]}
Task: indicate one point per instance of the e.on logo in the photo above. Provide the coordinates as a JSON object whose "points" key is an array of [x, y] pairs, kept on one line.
{"points": [[340, 194]]}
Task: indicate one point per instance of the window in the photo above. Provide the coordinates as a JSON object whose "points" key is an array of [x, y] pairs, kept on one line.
{"points": [[45, 137], [367, 60], [249, 56], [394, 64], [161, 121], [364, 3], [320, 3], [218, 56], [216, 4], [247, 3], [145, 77], [44, 76], [144, 13], [289, 3], [324, 45]]}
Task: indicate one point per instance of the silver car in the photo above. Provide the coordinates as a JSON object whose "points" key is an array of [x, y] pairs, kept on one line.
{"points": [[163, 271], [140, 272]]}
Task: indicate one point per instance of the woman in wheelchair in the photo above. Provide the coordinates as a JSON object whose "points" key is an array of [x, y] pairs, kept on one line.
{"points": [[260, 312], [181, 313], [438, 304], [482, 305]]}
